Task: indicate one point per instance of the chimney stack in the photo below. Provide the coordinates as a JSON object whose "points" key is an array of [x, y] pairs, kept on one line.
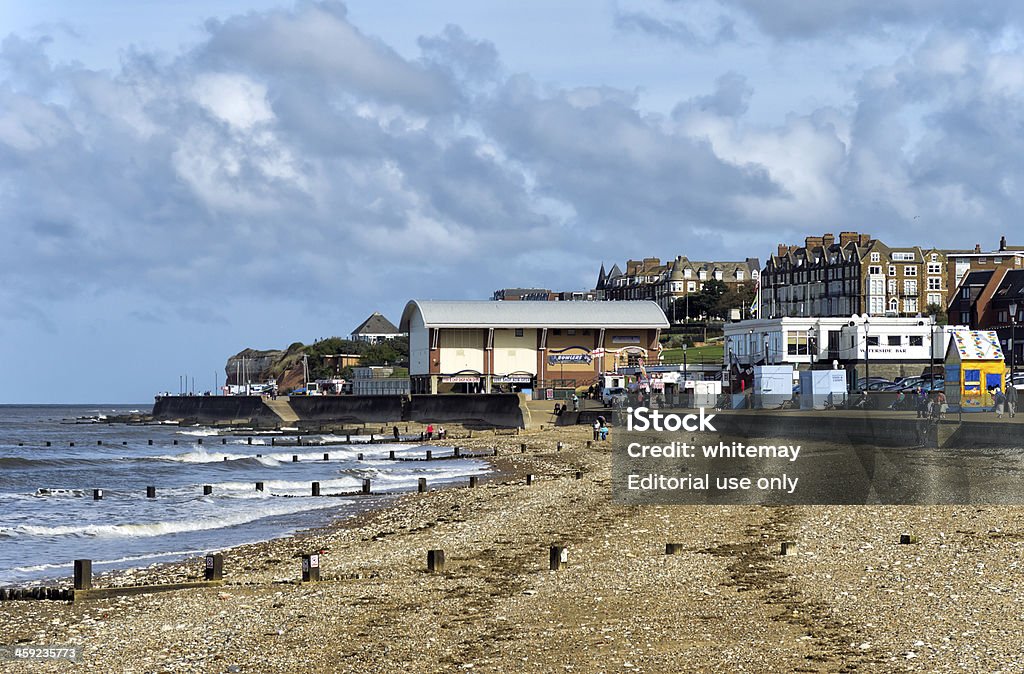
{"points": [[828, 239], [847, 237], [812, 241], [977, 248], [1002, 243]]}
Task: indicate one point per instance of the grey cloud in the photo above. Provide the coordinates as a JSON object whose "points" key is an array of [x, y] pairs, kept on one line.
{"points": [[318, 46], [469, 60], [676, 30], [800, 19]]}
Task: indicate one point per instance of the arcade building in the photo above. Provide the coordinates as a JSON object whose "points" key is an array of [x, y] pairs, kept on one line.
{"points": [[487, 346]]}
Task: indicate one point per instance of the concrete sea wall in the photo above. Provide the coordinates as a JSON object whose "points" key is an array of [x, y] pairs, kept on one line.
{"points": [[212, 408], [503, 410], [348, 409]]}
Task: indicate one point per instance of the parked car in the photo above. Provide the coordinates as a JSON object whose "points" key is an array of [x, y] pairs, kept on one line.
{"points": [[614, 396], [1017, 381]]}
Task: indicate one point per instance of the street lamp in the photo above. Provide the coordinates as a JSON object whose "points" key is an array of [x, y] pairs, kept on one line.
{"points": [[867, 353], [1013, 335], [931, 348]]}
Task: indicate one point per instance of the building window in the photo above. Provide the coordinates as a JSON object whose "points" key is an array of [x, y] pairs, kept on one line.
{"points": [[687, 273], [910, 305], [894, 305], [916, 340], [892, 270], [876, 257], [519, 332], [875, 270], [934, 283], [910, 287], [935, 298], [895, 340], [965, 293], [702, 275], [796, 343], [570, 331], [1001, 317], [718, 275], [872, 340], [556, 331], [982, 260], [965, 318], [739, 274], [934, 268], [691, 286], [909, 270], [997, 260], [935, 256], [892, 286]]}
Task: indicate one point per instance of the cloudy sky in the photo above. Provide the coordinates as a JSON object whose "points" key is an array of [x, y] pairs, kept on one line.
{"points": [[182, 181]]}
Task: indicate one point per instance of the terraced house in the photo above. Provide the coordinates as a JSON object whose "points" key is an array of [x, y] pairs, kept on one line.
{"points": [[649, 279], [854, 274]]}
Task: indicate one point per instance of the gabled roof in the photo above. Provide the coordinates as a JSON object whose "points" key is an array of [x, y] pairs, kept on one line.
{"points": [[486, 314], [976, 345], [376, 324]]}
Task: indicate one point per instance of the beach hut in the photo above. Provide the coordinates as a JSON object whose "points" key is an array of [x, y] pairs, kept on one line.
{"points": [[974, 368]]}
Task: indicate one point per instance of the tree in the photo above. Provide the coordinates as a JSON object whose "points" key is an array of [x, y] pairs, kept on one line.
{"points": [[738, 298], [706, 302], [940, 314]]}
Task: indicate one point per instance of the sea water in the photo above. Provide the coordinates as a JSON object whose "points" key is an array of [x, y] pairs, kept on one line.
{"points": [[48, 517]]}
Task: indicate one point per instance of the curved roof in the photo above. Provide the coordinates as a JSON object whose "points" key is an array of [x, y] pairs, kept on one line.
{"points": [[491, 314]]}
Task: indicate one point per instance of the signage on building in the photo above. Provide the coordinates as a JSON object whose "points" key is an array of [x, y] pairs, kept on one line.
{"points": [[625, 339], [557, 358], [888, 349], [460, 379], [513, 379]]}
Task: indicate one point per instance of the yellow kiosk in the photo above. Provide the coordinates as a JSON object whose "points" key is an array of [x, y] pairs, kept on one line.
{"points": [[974, 369]]}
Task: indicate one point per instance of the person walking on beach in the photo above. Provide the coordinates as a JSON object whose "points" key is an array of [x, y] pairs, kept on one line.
{"points": [[430, 431], [604, 432], [575, 403], [941, 405], [1011, 400], [1000, 401], [395, 430], [597, 430]]}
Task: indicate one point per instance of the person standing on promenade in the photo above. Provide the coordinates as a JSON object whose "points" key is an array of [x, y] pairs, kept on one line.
{"points": [[1000, 401], [1011, 400], [940, 405], [922, 402], [575, 403]]}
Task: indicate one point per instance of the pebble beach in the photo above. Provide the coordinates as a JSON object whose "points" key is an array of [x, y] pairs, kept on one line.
{"points": [[850, 597]]}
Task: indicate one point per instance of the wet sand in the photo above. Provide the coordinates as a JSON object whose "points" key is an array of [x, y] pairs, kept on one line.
{"points": [[851, 599]]}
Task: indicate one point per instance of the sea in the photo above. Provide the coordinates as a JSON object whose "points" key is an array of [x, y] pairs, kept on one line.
{"points": [[49, 517]]}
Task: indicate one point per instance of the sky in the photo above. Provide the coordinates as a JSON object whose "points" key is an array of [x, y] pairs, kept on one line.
{"points": [[182, 180]]}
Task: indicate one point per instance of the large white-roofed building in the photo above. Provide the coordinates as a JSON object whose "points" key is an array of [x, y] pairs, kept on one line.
{"points": [[477, 346]]}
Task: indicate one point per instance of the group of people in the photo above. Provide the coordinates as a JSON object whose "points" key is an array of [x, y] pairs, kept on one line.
{"points": [[441, 432], [1006, 403], [600, 429], [561, 409]]}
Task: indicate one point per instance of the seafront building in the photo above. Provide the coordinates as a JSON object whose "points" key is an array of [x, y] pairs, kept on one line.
{"points": [[665, 284], [375, 329], [880, 346], [854, 274], [483, 346]]}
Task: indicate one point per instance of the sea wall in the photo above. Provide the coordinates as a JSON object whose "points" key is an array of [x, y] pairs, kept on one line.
{"points": [[870, 429], [348, 409], [507, 410], [503, 410], [212, 408]]}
